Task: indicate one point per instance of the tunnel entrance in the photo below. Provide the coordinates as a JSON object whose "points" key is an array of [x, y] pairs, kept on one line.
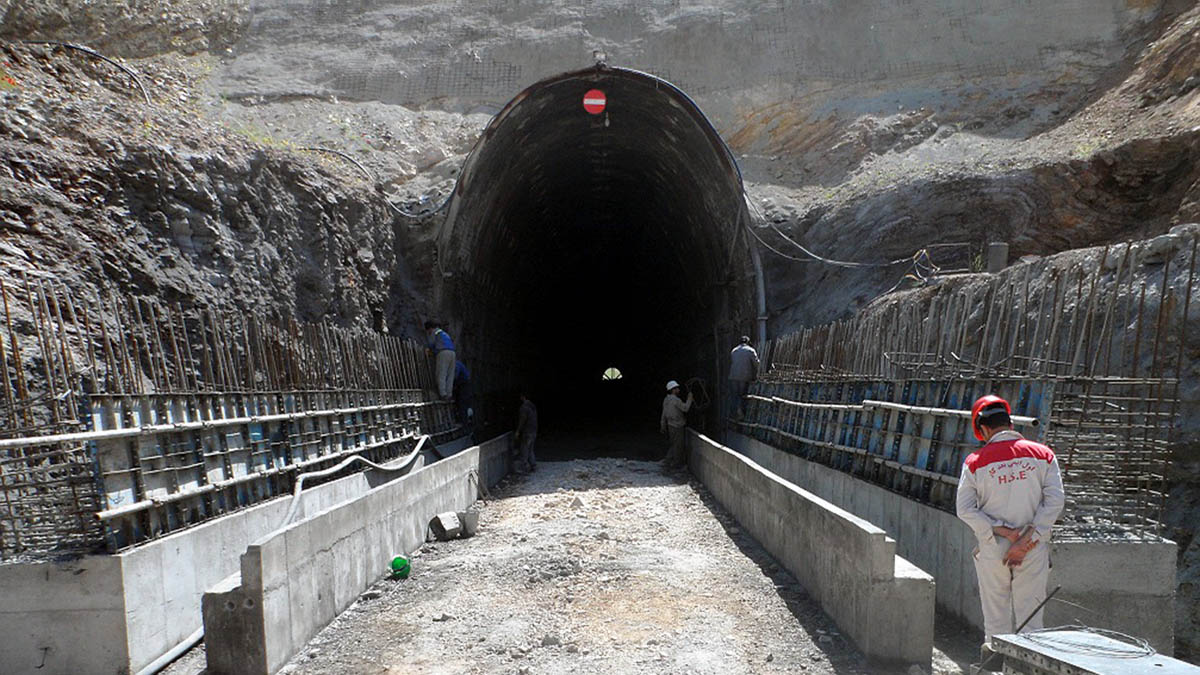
{"points": [[579, 241]]}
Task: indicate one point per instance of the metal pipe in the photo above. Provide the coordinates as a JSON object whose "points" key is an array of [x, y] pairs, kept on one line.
{"points": [[173, 653], [760, 292], [144, 504], [942, 412]]}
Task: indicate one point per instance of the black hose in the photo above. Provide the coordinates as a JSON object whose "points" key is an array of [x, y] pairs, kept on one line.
{"points": [[95, 54], [374, 181]]}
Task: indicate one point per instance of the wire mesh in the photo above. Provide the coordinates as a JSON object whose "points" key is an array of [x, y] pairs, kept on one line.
{"points": [[123, 419], [1094, 349]]}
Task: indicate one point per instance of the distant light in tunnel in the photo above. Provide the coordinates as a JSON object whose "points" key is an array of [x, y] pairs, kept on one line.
{"points": [[611, 374]]}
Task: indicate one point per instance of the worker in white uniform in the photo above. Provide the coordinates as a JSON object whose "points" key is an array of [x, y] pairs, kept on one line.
{"points": [[673, 422], [1010, 494]]}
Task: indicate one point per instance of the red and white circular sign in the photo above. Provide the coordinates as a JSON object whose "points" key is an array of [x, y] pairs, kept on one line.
{"points": [[594, 101]]}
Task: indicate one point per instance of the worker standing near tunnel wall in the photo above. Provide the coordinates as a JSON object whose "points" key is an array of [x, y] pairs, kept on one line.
{"points": [[525, 436], [463, 395], [743, 369], [1010, 493], [439, 342], [674, 423]]}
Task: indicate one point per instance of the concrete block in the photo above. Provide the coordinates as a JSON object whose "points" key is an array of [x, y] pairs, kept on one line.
{"points": [[275, 627], [229, 611], [325, 583], [273, 558], [182, 587], [298, 544], [304, 596], [66, 617], [446, 526], [1127, 567], [145, 601], [969, 607], [910, 600]]}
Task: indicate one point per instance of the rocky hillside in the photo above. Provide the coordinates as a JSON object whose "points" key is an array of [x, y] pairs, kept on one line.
{"points": [[129, 28], [108, 193], [1123, 167]]}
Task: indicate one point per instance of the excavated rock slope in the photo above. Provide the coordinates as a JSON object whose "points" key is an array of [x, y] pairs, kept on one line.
{"points": [[107, 193], [130, 28]]}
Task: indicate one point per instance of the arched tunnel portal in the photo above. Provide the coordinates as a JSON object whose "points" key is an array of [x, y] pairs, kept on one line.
{"points": [[576, 242]]}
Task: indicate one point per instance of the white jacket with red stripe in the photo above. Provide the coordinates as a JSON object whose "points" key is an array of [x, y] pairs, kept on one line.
{"points": [[1013, 482]]}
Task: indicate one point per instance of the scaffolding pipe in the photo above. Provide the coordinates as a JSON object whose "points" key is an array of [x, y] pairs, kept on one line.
{"points": [[144, 504], [150, 429], [760, 295], [943, 412], [887, 405]]}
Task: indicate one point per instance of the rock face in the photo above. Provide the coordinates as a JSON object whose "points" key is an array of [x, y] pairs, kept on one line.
{"points": [[129, 28], [1121, 168], [108, 194], [739, 58]]}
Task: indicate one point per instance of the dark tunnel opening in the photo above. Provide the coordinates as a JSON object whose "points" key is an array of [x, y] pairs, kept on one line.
{"points": [[576, 242]]}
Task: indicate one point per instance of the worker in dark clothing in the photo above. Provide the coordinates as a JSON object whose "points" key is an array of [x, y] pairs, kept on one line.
{"points": [[525, 435], [743, 369], [462, 394]]}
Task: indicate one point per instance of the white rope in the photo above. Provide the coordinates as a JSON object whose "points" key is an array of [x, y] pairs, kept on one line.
{"points": [[1130, 648], [341, 465]]}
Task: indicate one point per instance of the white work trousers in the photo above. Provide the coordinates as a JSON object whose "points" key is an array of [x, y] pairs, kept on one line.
{"points": [[445, 373], [1010, 594]]}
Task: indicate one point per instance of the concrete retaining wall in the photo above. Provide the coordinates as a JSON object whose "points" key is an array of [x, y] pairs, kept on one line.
{"points": [[295, 581], [118, 613], [882, 601], [1127, 586]]}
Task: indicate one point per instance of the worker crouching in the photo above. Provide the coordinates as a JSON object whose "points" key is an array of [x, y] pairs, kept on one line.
{"points": [[1010, 494]]}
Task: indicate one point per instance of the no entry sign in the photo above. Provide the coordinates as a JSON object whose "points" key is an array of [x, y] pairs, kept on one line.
{"points": [[594, 101]]}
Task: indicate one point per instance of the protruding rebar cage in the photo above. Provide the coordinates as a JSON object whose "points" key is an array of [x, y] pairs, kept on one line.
{"points": [[125, 419], [1094, 353]]}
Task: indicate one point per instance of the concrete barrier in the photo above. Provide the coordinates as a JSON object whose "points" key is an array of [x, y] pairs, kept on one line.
{"points": [[295, 581], [880, 600], [119, 613], [1123, 585]]}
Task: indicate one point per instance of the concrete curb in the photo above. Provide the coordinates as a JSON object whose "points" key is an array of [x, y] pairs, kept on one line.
{"points": [[882, 601]]}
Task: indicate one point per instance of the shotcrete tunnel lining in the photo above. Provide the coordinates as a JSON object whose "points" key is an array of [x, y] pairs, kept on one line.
{"points": [[576, 242]]}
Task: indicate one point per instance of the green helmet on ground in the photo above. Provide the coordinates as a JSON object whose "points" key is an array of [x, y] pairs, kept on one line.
{"points": [[400, 567]]}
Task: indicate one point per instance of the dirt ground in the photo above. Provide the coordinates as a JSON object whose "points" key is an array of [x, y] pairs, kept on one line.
{"points": [[590, 565]]}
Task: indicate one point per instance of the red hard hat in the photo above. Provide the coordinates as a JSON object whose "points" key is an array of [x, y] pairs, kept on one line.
{"points": [[980, 404]]}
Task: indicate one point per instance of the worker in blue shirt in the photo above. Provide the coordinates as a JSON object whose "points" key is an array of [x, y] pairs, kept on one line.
{"points": [[442, 346]]}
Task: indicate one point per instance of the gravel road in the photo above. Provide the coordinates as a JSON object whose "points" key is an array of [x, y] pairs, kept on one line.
{"points": [[589, 566]]}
